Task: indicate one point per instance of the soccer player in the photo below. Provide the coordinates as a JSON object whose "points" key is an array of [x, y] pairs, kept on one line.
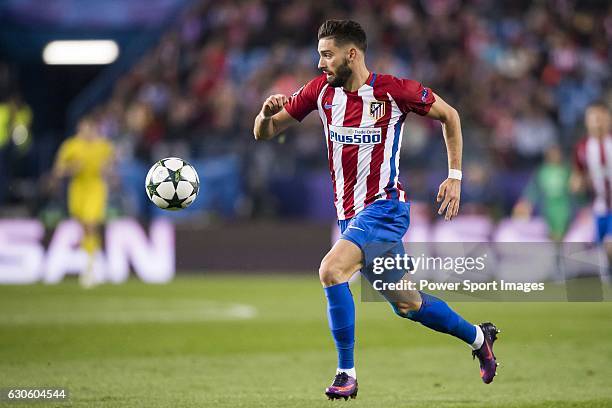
{"points": [[86, 158], [593, 164], [549, 189], [362, 113]]}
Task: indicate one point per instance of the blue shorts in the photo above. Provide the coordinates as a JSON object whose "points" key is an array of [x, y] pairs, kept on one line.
{"points": [[378, 231], [603, 226]]}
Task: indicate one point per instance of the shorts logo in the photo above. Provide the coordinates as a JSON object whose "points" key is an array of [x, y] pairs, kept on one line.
{"points": [[355, 136], [377, 109]]}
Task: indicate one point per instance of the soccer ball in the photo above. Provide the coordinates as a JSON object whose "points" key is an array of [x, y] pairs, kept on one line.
{"points": [[172, 184]]}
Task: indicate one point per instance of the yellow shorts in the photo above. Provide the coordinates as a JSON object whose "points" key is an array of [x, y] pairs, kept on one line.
{"points": [[87, 201]]}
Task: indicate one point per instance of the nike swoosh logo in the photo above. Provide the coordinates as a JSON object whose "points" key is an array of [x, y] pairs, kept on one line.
{"points": [[357, 228], [345, 388]]}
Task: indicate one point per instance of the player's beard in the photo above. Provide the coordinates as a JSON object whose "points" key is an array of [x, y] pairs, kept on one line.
{"points": [[343, 73]]}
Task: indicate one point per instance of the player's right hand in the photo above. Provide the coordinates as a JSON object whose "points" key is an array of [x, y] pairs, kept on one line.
{"points": [[273, 105]]}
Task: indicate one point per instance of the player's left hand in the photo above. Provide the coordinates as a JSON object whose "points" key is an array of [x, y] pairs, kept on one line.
{"points": [[450, 195]]}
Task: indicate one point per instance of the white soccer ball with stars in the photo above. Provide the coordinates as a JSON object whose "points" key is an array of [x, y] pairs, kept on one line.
{"points": [[172, 184]]}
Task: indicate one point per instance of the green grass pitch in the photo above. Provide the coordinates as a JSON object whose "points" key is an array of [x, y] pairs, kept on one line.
{"points": [[262, 341]]}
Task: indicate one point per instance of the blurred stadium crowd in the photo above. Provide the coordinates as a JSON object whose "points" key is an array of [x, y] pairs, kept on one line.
{"points": [[520, 74]]}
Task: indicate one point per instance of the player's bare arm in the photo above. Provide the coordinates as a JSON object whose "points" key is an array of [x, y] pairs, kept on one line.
{"points": [[449, 192], [61, 169], [577, 181], [273, 118]]}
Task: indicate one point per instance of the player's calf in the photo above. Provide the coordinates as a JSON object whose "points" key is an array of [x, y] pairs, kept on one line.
{"points": [[405, 308], [437, 315], [337, 267]]}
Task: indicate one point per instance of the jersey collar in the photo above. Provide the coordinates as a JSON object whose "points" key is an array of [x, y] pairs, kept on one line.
{"points": [[369, 82]]}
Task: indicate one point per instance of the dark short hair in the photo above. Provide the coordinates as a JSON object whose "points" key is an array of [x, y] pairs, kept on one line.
{"points": [[344, 32], [598, 104]]}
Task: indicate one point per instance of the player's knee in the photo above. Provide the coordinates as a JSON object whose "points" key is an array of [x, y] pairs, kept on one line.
{"points": [[330, 273], [406, 308]]}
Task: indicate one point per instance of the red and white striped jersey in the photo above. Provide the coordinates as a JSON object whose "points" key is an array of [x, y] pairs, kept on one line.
{"points": [[593, 156], [363, 132]]}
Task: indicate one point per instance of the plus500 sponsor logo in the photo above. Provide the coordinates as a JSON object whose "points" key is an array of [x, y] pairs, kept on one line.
{"points": [[357, 138]]}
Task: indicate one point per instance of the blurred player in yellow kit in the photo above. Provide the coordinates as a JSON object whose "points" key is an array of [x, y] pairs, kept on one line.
{"points": [[86, 159]]}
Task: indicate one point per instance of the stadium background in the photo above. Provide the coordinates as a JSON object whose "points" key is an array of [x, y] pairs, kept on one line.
{"points": [[190, 77]]}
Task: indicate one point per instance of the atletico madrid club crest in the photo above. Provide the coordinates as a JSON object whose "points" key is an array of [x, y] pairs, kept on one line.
{"points": [[377, 109]]}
